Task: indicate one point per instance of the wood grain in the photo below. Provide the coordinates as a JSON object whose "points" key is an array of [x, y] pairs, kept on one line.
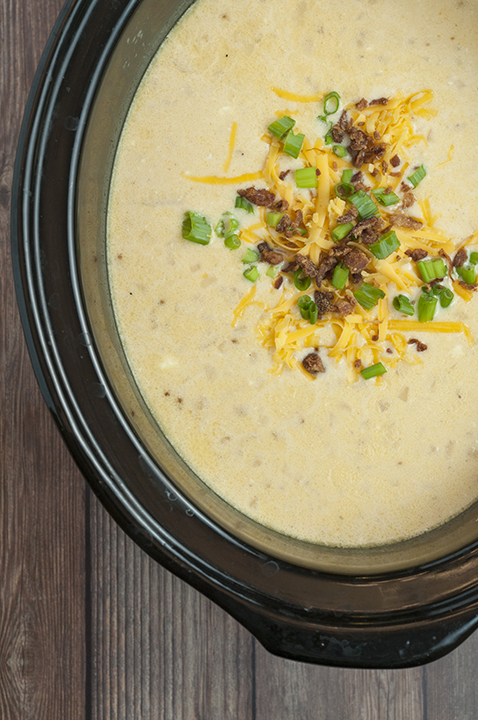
{"points": [[90, 627]]}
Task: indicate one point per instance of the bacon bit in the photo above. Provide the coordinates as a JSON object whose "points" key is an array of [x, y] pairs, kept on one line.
{"points": [[404, 187], [384, 166], [374, 172], [357, 364], [460, 258], [390, 351], [416, 254], [421, 347], [379, 101], [395, 161], [375, 338], [313, 364], [376, 135], [278, 282], [317, 172], [362, 104], [396, 174], [283, 174]]}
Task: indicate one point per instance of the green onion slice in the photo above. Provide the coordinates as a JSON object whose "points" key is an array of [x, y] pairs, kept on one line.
{"points": [[282, 126], [467, 273], [304, 301], [232, 242], [402, 304], [272, 271], [385, 245], [432, 269], [306, 177], [293, 144], [339, 151], [416, 177], [347, 175], [444, 295], [196, 228], [426, 306], [328, 139], [340, 276], [331, 103], [244, 204], [385, 198], [373, 371], [251, 256], [313, 313], [364, 204], [474, 258], [252, 273], [226, 225], [344, 190], [368, 295], [273, 218], [339, 232], [301, 281]]}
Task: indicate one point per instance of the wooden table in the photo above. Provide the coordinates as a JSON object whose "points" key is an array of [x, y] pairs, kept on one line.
{"points": [[90, 627]]}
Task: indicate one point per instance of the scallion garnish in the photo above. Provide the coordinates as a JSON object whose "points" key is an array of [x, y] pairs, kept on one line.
{"points": [[273, 218], [467, 273], [339, 151], [313, 313], [293, 144], [347, 175], [339, 232], [444, 295], [426, 306], [301, 281], [232, 242], [416, 177], [364, 204], [281, 127], [244, 204], [384, 198], [432, 269], [252, 273], [331, 103], [226, 225], [340, 276], [306, 177], [368, 295], [251, 256], [373, 371], [308, 309], [328, 139], [402, 304], [344, 190], [474, 258], [272, 271], [385, 245], [196, 228]]}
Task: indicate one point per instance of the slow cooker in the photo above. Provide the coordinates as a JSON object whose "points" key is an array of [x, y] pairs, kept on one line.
{"points": [[384, 607]]}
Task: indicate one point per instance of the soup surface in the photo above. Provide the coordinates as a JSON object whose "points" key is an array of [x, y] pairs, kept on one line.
{"points": [[328, 460]]}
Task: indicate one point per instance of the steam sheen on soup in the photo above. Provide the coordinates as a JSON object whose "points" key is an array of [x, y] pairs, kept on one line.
{"points": [[325, 461]]}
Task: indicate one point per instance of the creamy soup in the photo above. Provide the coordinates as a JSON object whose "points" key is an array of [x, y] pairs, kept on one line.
{"points": [[330, 458]]}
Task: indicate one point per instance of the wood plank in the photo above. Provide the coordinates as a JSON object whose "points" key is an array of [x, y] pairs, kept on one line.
{"points": [[161, 650], [42, 658], [452, 689]]}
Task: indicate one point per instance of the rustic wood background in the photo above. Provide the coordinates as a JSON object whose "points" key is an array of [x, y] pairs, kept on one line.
{"points": [[90, 627]]}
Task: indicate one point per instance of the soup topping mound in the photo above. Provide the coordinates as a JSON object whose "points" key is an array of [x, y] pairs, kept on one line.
{"points": [[339, 231]]}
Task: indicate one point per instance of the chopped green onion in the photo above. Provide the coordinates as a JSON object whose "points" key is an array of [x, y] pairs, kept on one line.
{"points": [[347, 175], [281, 127], [251, 256], [432, 269], [426, 306], [273, 218], [474, 258], [302, 282], [339, 151], [196, 228], [416, 177], [344, 190], [232, 242], [385, 245], [272, 271], [251, 273], [340, 276], [301, 231], [364, 204], [226, 225], [444, 295], [293, 144], [467, 274], [331, 103], [244, 204], [373, 371], [304, 301], [306, 177], [368, 295], [385, 198], [313, 313], [328, 139], [339, 232], [402, 304]]}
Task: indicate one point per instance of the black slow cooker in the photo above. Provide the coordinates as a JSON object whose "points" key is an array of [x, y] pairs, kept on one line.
{"points": [[388, 607]]}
